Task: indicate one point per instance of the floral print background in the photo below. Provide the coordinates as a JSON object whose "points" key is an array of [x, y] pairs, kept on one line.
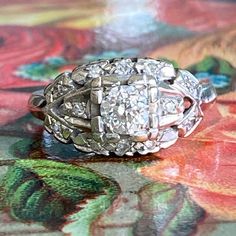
{"points": [[47, 188]]}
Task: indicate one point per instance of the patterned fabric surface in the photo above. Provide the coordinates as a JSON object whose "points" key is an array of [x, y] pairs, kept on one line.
{"points": [[48, 188]]}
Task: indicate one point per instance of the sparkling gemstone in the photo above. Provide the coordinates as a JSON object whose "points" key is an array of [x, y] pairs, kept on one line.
{"points": [[124, 67], [56, 127], [150, 144], [149, 67], [79, 109], [122, 147], [172, 105], [125, 110], [189, 123], [189, 83], [161, 70], [95, 71]]}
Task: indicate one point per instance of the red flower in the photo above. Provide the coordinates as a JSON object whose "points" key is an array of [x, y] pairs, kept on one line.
{"points": [[26, 45], [197, 15], [13, 105], [205, 161]]}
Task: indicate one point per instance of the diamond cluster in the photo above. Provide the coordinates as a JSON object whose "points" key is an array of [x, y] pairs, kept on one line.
{"points": [[159, 69], [125, 109], [123, 106], [61, 86]]}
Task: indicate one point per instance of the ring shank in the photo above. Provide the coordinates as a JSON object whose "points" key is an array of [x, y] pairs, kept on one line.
{"points": [[36, 104]]}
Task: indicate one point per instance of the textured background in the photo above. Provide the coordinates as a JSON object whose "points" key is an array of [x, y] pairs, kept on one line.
{"points": [[47, 188]]}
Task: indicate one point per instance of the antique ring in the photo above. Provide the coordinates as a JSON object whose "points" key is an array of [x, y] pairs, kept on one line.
{"points": [[123, 106]]}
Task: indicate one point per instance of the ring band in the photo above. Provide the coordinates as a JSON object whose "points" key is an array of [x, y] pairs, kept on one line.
{"points": [[122, 106]]}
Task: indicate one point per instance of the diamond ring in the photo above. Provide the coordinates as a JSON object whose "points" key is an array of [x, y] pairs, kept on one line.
{"points": [[123, 106]]}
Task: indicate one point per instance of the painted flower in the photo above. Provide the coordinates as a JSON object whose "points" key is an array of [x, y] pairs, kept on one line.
{"points": [[25, 45], [205, 161], [197, 15], [13, 106]]}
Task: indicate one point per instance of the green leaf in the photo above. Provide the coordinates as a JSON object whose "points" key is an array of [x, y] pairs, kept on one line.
{"points": [[45, 191], [213, 65], [167, 210], [79, 223], [42, 70], [27, 147], [207, 64]]}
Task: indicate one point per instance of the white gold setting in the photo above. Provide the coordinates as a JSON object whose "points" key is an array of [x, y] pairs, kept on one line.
{"points": [[123, 106]]}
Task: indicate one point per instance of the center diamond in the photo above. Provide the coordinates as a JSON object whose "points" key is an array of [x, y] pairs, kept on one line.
{"points": [[125, 109]]}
